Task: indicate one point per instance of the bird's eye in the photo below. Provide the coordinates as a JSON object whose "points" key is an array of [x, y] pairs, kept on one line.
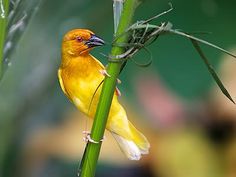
{"points": [[79, 39]]}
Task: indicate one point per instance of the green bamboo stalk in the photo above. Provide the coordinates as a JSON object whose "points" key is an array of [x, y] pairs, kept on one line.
{"points": [[4, 5], [92, 151]]}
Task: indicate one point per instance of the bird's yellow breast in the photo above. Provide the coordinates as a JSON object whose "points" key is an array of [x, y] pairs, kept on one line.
{"points": [[79, 78]]}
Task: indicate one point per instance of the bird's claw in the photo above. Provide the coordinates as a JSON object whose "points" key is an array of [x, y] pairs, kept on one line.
{"points": [[104, 73], [118, 93], [87, 138], [118, 81]]}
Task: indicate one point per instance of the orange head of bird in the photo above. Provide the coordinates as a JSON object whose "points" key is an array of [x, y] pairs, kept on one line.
{"points": [[80, 41]]}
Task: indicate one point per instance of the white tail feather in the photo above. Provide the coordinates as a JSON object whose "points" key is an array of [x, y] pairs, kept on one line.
{"points": [[131, 150]]}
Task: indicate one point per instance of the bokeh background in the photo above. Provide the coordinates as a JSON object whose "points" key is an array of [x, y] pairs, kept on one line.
{"points": [[174, 102]]}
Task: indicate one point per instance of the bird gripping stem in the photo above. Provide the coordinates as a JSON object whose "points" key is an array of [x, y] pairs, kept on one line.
{"points": [[91, 154]]}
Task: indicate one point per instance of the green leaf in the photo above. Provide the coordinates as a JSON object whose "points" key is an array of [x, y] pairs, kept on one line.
{"points": [[211, 70], [17, 14], [4, 5]]}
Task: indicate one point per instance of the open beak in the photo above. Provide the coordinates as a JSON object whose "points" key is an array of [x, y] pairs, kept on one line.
{"points": [[94, 41]]}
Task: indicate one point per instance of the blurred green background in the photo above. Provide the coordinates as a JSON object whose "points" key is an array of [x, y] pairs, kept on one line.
{"points": [[187, 136]]}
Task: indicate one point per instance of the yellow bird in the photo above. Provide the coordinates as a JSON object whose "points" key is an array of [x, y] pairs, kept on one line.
{"points": [[80, 74]]}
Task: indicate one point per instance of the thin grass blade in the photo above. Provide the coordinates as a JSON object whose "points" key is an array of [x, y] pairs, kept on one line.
{"points": [[201, 41], [211, 70], [4, 6], [20, 13]]}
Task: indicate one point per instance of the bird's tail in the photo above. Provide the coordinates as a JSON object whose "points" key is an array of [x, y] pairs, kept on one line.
{"points": [[134, 147]]}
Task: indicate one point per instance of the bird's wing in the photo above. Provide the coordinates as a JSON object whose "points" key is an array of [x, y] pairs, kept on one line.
{"points": [[98, 62], [61, 83]]}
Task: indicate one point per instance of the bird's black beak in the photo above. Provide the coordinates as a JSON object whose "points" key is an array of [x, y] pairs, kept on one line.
{"points": [[94, 41]]}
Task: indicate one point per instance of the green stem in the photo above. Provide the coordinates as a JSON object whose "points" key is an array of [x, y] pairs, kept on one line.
{"points": [[90, 157], [4, 5]]}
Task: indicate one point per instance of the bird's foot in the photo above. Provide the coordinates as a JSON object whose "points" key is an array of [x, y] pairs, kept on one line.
{"points": [[118, 93], [87, 138], [118, 81], [104, 73]]}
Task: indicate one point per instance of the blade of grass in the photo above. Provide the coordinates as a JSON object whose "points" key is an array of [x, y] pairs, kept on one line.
{"points": [[211, 70], [4, 5], [17, 16], [90, 156]]}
